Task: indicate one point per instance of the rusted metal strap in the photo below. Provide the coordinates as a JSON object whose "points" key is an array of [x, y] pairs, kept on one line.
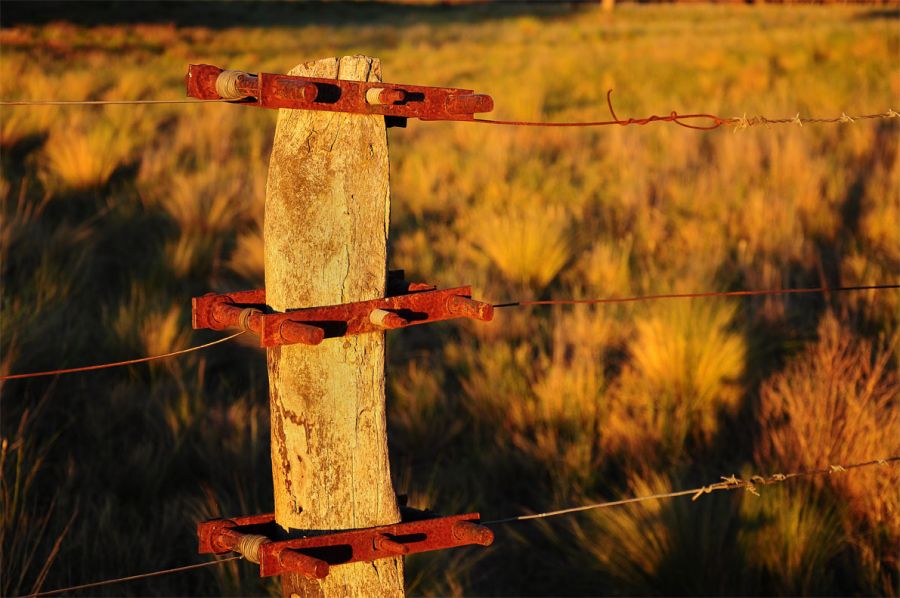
{"points": [[314, 555], [267, 90], [418, 304]]}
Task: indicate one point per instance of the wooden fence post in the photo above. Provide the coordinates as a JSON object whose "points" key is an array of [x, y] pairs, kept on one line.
{"points": [[326, 229]]}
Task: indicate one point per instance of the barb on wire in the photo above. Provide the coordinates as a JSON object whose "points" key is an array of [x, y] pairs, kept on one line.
{"points": [[727, 483], [744, 122], [749, 293], [102, 366], [107, 582]]}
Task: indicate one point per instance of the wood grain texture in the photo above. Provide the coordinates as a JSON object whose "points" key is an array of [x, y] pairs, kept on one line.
{"points": [[326, 229]]}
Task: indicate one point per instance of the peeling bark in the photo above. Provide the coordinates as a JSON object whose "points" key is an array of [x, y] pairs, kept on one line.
{"points": [[326, 223]]}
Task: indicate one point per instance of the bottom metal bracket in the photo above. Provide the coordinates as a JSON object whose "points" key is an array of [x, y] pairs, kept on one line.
{"points": [[313, 555]]}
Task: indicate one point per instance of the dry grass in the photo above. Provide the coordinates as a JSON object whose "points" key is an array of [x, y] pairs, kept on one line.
{"points": [[113, 218], [526, 240], [835, 404], [684, 374], [82, 157], [795, 536], [662, 547]]}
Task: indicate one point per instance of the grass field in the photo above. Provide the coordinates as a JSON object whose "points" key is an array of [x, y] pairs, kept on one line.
{"points": [[114, 217]]}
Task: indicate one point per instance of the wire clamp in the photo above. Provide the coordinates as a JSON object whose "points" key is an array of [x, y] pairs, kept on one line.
{"points": [[407, 304], [314, 554], [394, 101]]}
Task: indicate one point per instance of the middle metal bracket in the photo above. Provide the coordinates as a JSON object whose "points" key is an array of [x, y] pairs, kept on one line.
{"points": [[407, 304]]}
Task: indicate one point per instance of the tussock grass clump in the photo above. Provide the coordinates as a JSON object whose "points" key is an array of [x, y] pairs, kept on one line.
{"points": [[17, 123], [837, 403], [83, 155], [205, 207], [606, 268], [685, 371], [248, 258], [669, 547], [790, 536], [164, 332], [527, 243], [208, 201]]}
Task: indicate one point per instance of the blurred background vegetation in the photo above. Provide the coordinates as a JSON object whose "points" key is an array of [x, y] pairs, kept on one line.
{"points": [[113, 217]]}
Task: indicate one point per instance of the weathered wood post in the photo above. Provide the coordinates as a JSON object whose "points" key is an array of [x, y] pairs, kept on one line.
{"points": [[326, 229]]}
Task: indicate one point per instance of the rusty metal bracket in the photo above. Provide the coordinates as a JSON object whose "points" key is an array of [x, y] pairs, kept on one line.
{"points": [[314, 554], [407, 304], [394, 101]]}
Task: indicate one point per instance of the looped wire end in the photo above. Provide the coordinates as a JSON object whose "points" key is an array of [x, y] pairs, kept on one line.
{"points": [[245, 315], [248, 546], [226, 85], [701, 492]]}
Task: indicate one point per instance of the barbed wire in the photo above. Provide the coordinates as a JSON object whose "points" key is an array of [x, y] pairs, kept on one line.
{"points": [[101, 366], [522, 303], [683, 120], [731, 482], [749, 293], [107, 582], [743, 122], [738, 122]]}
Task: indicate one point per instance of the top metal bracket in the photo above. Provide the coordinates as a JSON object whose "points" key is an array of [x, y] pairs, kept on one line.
{"points": [[392, 100]]}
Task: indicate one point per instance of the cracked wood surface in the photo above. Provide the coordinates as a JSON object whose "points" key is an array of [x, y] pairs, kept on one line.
{"points": [[326, 228]]}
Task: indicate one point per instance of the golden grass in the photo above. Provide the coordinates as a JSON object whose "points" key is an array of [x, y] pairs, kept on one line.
{"points": [[794, 538], [164, 332], [542, 407], [837, 403], [527, 243], [685, 373], [606, 269], [83, 155], [247, 259], [19, 123], [672, 546], [207, 202]]}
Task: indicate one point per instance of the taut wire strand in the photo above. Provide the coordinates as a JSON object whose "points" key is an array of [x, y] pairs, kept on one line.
{"points": [[726, 483], [107, 582], [104, 102], [749, 293], [120, 363]]}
